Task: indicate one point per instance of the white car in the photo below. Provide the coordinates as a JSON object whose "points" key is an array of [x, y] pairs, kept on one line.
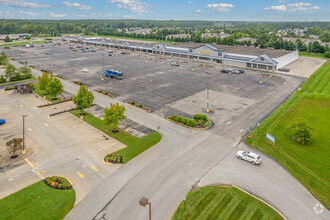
{"points": [[85, 70], [249, 156]]}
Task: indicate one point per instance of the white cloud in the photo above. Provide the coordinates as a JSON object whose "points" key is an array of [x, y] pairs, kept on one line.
{"points": [[21, 4], [195, 15], [77, 5], [53, 15], [198, 11], [81, 16], [298, 9], [299, 4], [220, 6], [28, 13], [315, 7], [190, 2], [135, 6], [276, 8], [0, 12], [110, 14], [281, 1], [128, 17], [92, 13]]}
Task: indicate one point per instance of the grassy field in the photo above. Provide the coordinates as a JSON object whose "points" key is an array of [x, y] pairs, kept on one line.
{"points": [[222, 202], [308, 163], [25, 80], [42, 92], [19, 43], [308, 54], [37, 201], [135, 146]]}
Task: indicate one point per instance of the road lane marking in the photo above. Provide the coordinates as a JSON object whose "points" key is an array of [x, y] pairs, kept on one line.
{"points": [[228, 122], [39, 174], [80, 174], [30, 129], [43, 171], [31, 165], [241, 131], [94, 168], [46, 124]]}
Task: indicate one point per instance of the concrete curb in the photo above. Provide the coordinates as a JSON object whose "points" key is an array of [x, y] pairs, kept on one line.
{"points": [[138, 107], [261, 201], [168, 118], [109, 95]]}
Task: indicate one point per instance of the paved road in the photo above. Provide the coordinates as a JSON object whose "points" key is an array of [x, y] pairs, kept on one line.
{"points": [[183, 158]]}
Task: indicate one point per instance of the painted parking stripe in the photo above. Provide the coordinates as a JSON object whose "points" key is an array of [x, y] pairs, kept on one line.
{"points": [[31, 165], [21, 106], [30, 129], [46, 124], [39, 174], [94, 168]]}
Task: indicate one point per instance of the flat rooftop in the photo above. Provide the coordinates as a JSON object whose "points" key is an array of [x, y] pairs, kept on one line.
{"points": [[240, 49]]}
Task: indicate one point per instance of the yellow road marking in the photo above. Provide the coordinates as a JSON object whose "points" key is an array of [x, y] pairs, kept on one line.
{"points": [[94, 168], [35, 162], [80, 174], [43, 171], [21, 106], [46, 124], [6, 108], [31, 165], [39, 174], [30, 129]]}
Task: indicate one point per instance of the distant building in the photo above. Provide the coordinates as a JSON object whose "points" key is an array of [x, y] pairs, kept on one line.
{"points": [[303, 40], [253, 40], [15, 36], [178, 36], [217, 35]]}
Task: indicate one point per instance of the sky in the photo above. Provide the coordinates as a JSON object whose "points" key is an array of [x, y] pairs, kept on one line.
{"points": [[229, 10]]}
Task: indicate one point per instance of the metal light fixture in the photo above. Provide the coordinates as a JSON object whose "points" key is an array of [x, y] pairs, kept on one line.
{"points": [[143, 202]]}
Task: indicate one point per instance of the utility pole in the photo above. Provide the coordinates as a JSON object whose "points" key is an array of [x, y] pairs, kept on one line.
{"points": [[23, 151], [208, 93], [102, 65]]}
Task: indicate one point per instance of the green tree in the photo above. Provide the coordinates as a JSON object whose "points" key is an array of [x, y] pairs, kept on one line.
{"points": [[10, 71], [114, 115], [15, 145], [3, 58], [27, 38], [327, 54], [24, 70], [83, 99], [44, 80], [7, 39], [302, 131], [54, 87]]}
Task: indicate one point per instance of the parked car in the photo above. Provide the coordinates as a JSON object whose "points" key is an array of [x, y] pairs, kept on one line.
{"points": [[237, 71], [2, 121], [92, 50], [226, 70], [84, 50], [85, 70], [110, 54], [47, 53], [249, 156], [283, 69], [110, 51], [175, 64], [74, 50], [124, 53]]}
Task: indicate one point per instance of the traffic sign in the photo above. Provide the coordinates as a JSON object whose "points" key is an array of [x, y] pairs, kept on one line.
{"points": [[250, 136], [271, 138]]}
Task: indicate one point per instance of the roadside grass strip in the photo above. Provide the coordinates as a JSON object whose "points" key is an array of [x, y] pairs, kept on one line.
{"points": [[37, 202], [222, 202], [307, 163], [41, 92], [135, 146]]}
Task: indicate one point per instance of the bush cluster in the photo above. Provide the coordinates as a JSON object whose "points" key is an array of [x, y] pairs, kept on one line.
{"points": [[133, 103], [190, 123], [200, 117], [21, 77], [3, 79], [60, 182], [8, 88], [113, 158], [140, 106]]}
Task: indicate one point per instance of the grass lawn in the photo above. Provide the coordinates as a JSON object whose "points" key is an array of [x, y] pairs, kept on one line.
{"points": [[308, 54], [19, 43], [41, 92], [37, 201], [308, 163], [25, 80], [222, 202], [135, 146]]}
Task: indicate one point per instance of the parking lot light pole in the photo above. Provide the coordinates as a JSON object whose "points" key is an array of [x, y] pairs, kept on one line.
{"points": [[143, 202], [208, 94], [52, 54], [102, 65], [23, 151]]}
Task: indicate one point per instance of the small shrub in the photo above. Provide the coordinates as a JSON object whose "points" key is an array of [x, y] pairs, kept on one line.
{"points": [[184, 120], [327, 54], [105, 93], [3, 79], [301, 130], [133, 103], [206, 124], [173, 117], [30, 85], [178, 119], [197, 116], [140, 106], [7, 48], [190, 123], [204, 117], [8, 88]]}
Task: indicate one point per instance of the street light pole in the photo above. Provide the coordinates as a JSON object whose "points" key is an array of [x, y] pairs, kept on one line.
{"points": [[23, 151], [143, 202], [208, 94], [102, 65]]}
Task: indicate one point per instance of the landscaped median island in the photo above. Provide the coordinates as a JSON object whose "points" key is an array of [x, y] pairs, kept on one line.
{"points": [[135, 146], [49, 87], [199, 121], [104, 93], [38, 202], [139, 106], [223, 202], [306, 159]]}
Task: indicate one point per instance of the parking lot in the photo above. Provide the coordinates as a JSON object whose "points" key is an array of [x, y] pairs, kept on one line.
{"points": [[152, 81]]}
